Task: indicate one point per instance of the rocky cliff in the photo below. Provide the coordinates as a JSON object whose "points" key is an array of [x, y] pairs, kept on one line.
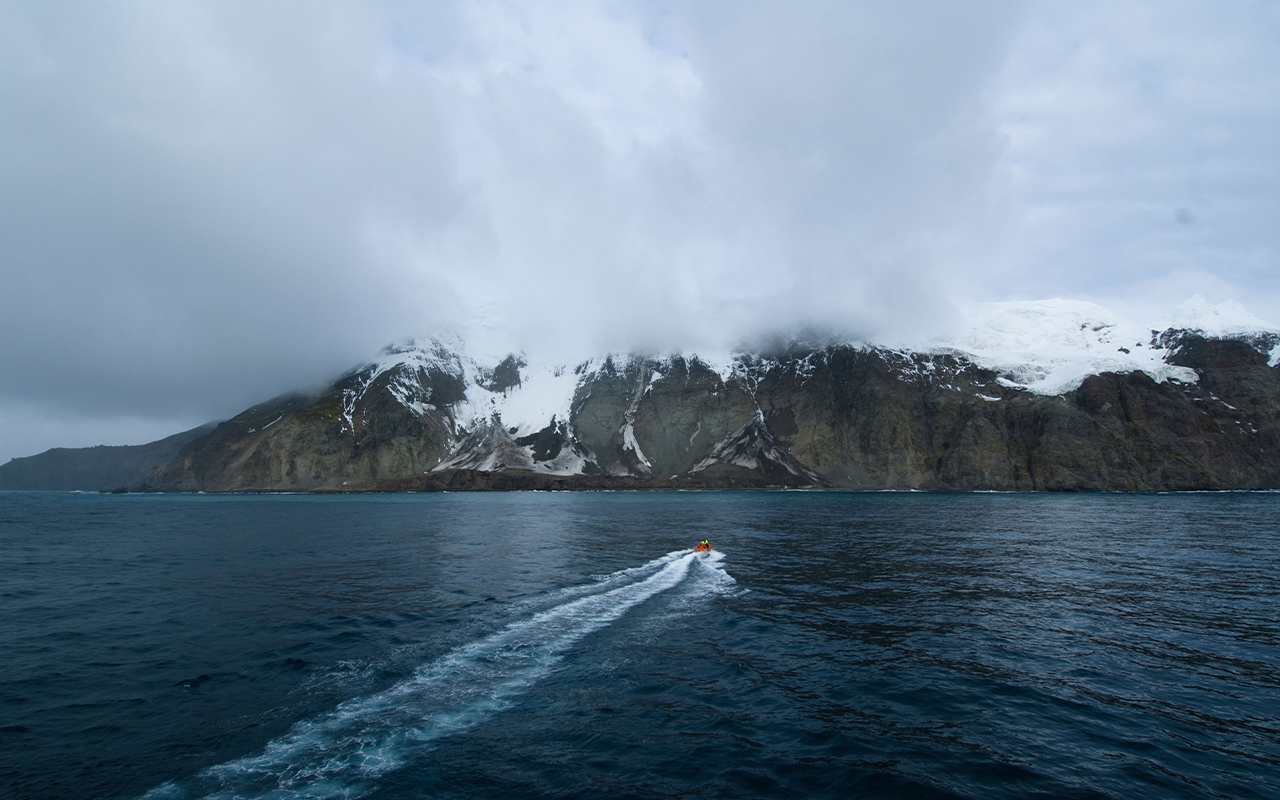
{"points": [[834, 415], [1048, 395]]}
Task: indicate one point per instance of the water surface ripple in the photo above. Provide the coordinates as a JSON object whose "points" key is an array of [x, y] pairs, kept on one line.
{"points": [[569, 645]]}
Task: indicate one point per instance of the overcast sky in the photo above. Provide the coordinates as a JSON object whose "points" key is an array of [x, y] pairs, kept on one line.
{"points": [[203, 205]]}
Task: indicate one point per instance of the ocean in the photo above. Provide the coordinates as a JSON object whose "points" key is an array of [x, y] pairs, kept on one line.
{"points": [[566, 645]]}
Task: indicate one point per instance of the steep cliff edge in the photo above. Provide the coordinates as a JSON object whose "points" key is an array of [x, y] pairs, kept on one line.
{"points": [[836, 415], [1045, 395], [873, 419]]}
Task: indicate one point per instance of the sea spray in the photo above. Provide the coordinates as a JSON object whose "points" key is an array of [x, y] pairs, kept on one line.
{"points": [[342, 753]]}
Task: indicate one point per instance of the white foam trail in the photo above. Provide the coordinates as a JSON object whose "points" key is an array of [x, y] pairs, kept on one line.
{"points": [[341, 754], [600, 582]]}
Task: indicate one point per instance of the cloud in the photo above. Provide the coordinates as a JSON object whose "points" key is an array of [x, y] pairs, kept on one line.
{"points": [[691, 177], [1141, 150], [203, 204], [183, 193]]}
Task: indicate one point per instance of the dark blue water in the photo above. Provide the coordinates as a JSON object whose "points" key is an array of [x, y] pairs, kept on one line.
{"points": [[568, 645]]}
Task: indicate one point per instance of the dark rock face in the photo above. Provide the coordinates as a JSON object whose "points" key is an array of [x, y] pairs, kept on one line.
{"points": [[838, 416], [657, 417], [754, 452], [872, 419], [356, 431], [94, 469]]}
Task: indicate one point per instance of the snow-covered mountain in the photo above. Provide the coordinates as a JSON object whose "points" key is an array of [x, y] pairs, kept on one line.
{"points": [[1045, 347], [978, 408], [1051, 346]]}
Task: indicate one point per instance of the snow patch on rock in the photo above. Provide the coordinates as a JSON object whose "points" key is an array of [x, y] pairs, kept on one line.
{"points": [[629, 443], [545, 393], [753, 447]]}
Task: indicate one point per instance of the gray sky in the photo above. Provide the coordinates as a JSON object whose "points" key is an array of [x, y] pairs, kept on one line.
{"points": [[206, 204]]}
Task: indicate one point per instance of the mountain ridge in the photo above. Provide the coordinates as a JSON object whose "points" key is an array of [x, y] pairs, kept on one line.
{"points": [[99, 468], [1047, 395], [844, 415]]}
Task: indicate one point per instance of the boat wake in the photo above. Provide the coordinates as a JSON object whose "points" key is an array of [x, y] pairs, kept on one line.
{"points": [[342, 753]]}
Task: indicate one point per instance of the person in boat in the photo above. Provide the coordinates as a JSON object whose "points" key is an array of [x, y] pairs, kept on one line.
{"points": [[704, 546]]}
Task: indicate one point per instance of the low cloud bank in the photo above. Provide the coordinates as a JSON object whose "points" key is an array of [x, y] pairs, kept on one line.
{"points": [[204, 204]]}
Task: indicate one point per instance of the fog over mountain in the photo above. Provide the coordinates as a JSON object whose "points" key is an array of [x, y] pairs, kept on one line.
{"points": [[203, 205]]}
